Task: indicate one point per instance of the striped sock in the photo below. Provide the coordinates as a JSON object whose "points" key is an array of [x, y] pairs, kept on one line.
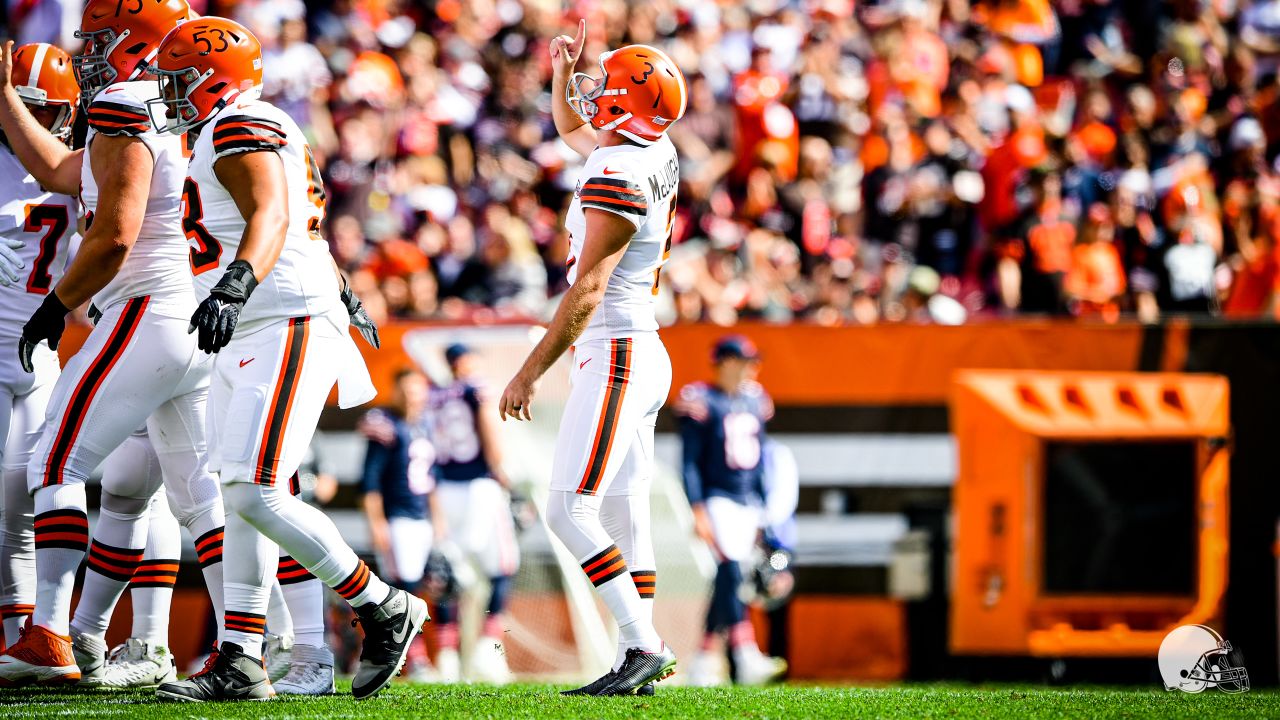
{"points": [[14, 617], [109, 570], [607, 570], [152, 586], [246, 630], [152, 594], [646, 583], [361, 587], [305, 600], [290, 571], [209, 554], [62, 536]]}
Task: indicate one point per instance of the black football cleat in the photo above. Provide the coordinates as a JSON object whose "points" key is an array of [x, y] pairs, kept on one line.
{"points": [[231, 675], [595, 686], [640, 668], [389, 629]]}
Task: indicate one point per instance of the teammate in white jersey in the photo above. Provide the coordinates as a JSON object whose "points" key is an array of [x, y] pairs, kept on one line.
{"points": [[36, 227], [619, 235], [277, 321], [138, 364]]}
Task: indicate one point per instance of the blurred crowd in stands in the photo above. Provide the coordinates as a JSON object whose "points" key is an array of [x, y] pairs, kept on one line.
{"points": [[842, 162]]}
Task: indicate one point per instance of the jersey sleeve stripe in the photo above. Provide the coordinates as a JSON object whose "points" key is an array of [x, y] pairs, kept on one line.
{"points": [[615, 196], [635, 193], [612, 206], [114, 128], [614, 183], [225, 127], [242, 146], [117, 108], [219, 142]]}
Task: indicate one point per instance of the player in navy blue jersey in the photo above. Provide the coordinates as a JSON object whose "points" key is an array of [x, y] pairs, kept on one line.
{"points": [[479, 535], [722, 432], [398, 490]]}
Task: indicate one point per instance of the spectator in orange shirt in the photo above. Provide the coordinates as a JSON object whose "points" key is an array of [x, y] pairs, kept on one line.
{"points": [[1096, 280]]}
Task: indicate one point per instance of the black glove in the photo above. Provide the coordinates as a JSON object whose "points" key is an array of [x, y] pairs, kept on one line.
{"points": [[359, 318], [217, 316], [94, 314], [48, 322]]}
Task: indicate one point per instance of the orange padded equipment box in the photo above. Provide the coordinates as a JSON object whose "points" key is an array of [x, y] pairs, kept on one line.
{"points": [[1090, 510]]}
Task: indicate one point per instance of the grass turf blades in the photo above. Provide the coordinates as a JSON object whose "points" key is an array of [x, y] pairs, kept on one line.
{"points": [[790, 701]]}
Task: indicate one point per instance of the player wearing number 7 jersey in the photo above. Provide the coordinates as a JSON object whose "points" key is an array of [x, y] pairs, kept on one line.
{"points": [[619, 227], [280, 328], [35, 233], [138, 364]]}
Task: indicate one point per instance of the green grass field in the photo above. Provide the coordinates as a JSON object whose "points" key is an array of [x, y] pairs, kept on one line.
{"points": [[794, 701]]}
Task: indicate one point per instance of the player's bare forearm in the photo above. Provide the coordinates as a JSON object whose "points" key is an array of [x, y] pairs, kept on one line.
{"points": [[571, 318], [565, 52], [122, 167], [602, 250], [256, 182], [50, 162]]}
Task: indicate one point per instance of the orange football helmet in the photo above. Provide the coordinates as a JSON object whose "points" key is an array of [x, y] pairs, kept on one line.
{"points": [[641, 94], [204, 65], [121, 37], [43, 77]]}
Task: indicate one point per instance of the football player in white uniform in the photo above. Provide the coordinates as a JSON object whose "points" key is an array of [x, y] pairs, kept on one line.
{"points": [[36, 227], [619, 227], [277, 321], [139, 365]]}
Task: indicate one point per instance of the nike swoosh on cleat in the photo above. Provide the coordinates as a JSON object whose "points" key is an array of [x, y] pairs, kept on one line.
{"points": [[403, 632]]}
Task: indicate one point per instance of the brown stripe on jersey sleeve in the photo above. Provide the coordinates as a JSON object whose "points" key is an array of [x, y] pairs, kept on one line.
{"points": [[111, 118], [244, 133], [615, 195]]}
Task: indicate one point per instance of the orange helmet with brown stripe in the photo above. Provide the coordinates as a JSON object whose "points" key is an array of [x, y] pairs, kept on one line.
{"points": [[121, 38], [203, 66], [43, 77], [640, 94]]}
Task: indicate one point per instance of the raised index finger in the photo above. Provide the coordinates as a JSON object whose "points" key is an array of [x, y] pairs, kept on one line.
{"points": [[581, 38]]}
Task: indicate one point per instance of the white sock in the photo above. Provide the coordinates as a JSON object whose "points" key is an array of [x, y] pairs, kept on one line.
{"points": [[152, 586], [304, 597], [116, 550], [248, 584], [62, 535], [278, 621], [207, 529], [17, 554]]}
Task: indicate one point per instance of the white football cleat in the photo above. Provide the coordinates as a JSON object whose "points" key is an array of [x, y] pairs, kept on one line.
{"points": [[310, 673], [755, 668], [276, 655], [91, 656], [449, 666], [708, 670], [489, 662], [138, 665]]}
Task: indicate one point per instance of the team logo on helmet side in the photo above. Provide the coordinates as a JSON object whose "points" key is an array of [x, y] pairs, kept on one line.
{"points": [[1195, 657]]}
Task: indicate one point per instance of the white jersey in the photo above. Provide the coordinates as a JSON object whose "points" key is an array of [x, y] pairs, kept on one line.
{"points": [[639, 184], [157, 265], [45, 223], [302, 282]]}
